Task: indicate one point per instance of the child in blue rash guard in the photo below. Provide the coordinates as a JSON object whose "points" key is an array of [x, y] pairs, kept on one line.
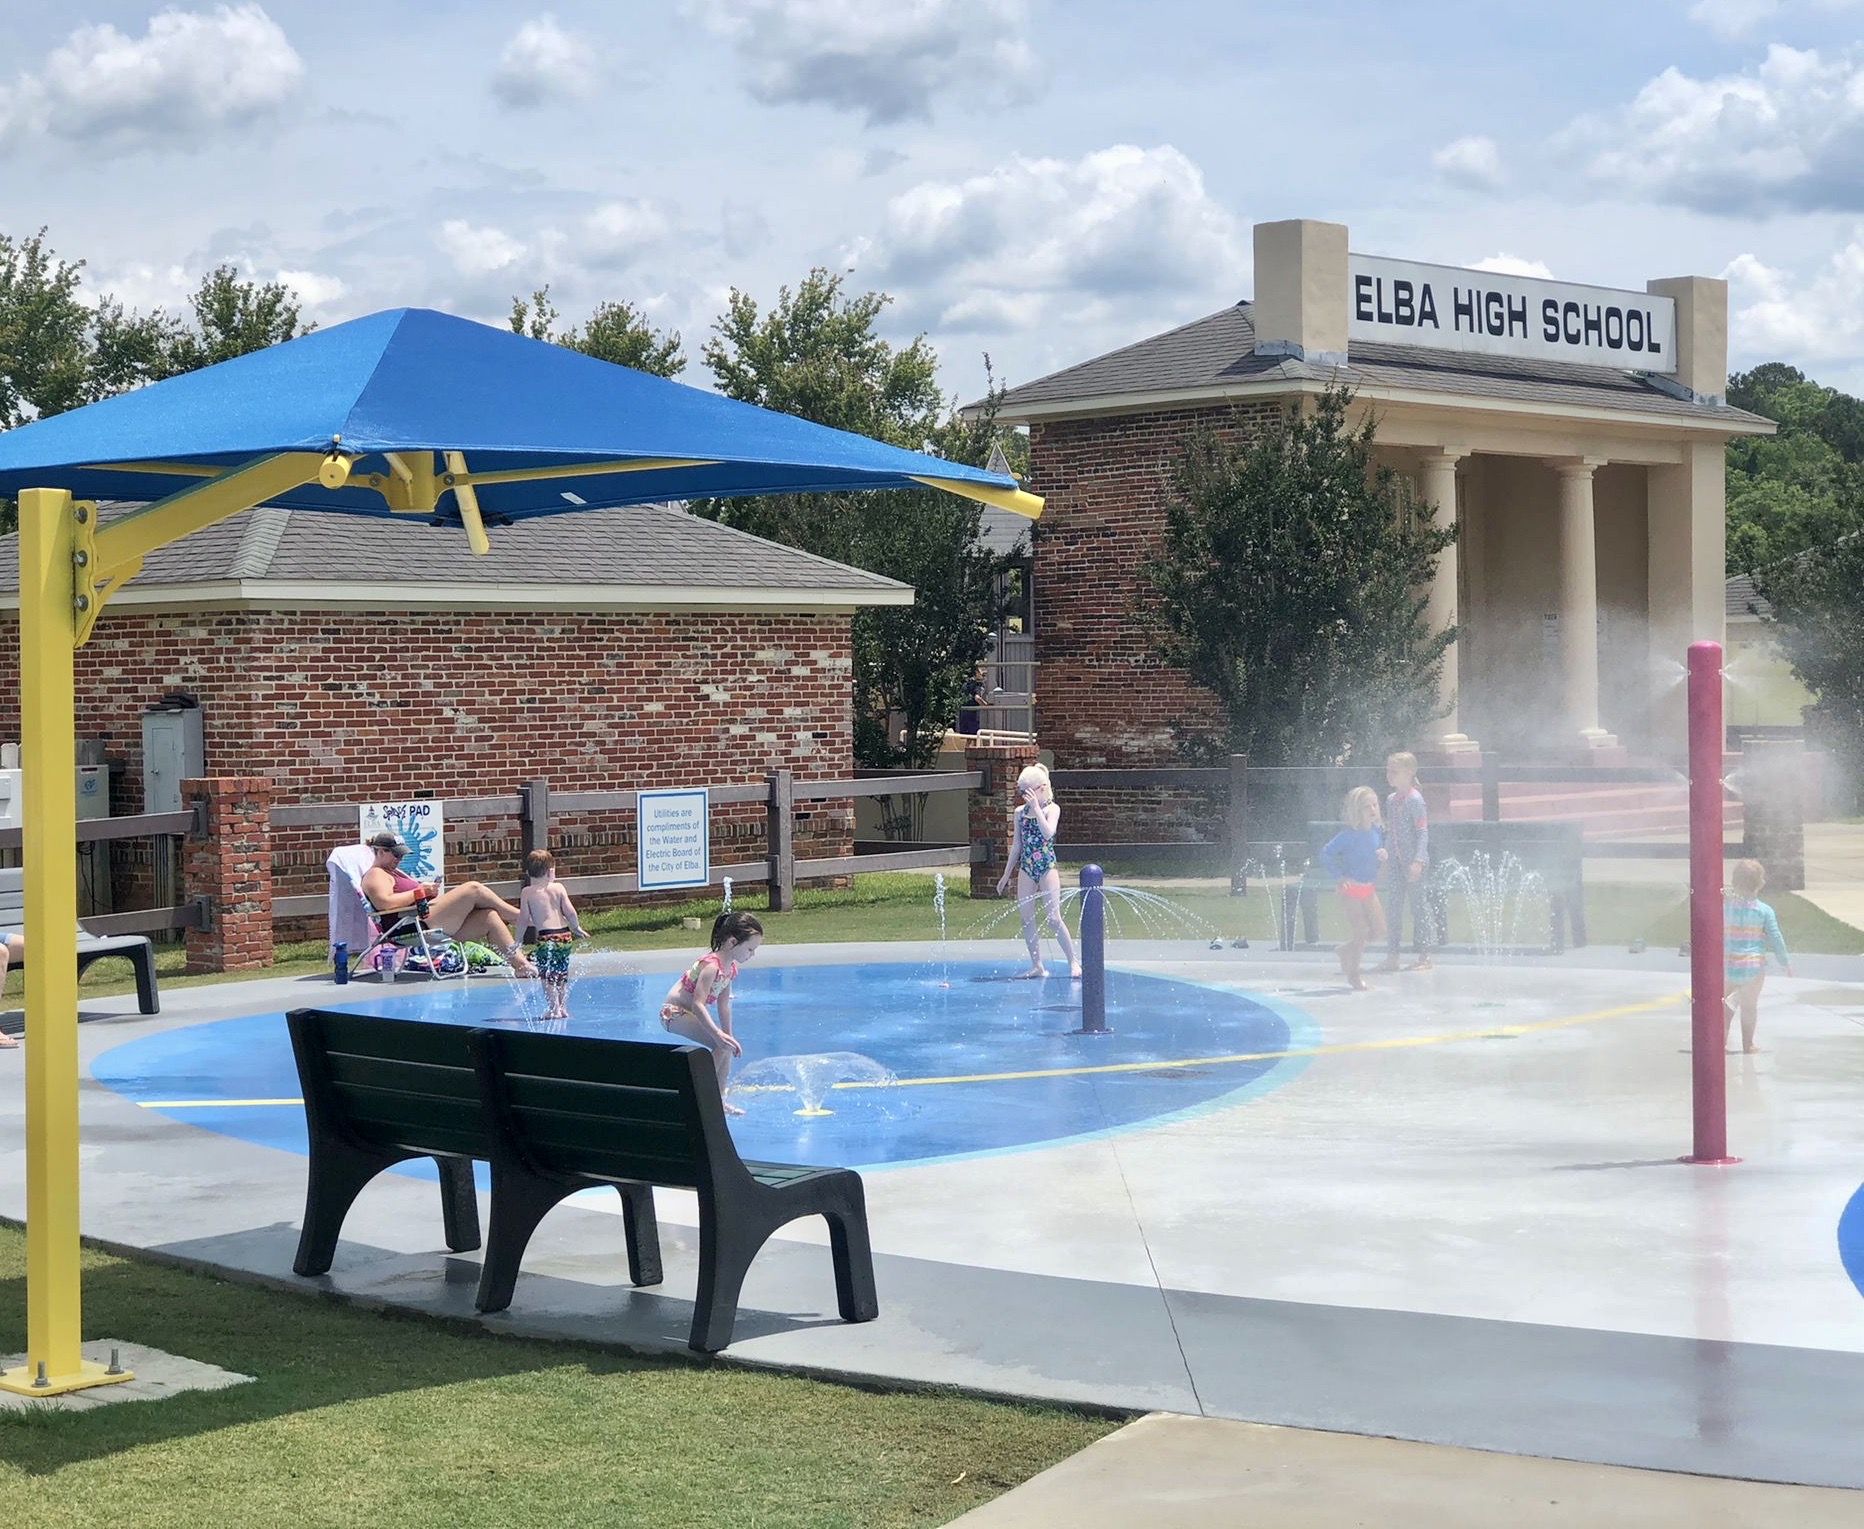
{"points": [[1353, 858], [1750, 931]]}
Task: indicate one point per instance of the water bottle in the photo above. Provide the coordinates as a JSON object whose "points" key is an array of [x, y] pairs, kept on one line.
{"points": [[339, 955]]}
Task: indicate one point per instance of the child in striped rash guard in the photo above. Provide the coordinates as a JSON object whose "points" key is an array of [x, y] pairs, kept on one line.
{"points": [[1749, 931]]}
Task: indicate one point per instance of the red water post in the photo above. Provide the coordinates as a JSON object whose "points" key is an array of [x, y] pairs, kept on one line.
{"points": [[1709, 1023]]}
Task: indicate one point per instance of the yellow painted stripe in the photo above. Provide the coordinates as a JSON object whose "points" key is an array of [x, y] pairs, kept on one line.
{"points": [[1389, 1043]]}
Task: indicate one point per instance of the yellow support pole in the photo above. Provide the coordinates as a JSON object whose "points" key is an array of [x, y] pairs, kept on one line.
{"points": [[48, 765]]}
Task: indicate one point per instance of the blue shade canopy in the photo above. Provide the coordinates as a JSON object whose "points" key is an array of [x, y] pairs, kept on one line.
{"points": [[409, 381]]}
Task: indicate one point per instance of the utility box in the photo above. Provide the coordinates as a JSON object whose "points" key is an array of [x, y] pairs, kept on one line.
{"points": [[174, 749], [12, 813]]}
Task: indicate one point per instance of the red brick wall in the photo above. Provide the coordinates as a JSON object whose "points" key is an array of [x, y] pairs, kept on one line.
{"points": [[372, 706], [1103, 699]]}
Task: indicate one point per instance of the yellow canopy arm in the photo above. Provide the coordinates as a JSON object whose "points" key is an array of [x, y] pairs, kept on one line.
{"points": [[1015, 500], [468, 501]]}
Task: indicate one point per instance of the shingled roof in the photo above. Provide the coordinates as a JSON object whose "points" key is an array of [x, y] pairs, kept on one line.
{"points": [[1214, 357], [639, 557]]}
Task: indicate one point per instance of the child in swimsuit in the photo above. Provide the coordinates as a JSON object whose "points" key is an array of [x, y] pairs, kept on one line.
{"points": [[1031, 855], [735, 938], [545, 907], [1353, 858], [1750, 931]]}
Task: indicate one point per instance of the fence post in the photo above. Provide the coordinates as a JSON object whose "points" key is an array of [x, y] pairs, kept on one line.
{"points": [[534, 816], [1239, 824], [780, 836]]}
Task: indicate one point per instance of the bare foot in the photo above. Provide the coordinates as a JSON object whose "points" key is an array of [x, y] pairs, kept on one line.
{"points": [[1358, 984], [1386, 966], [1749, 1050], [732, 1109], [1075, 972], [1422, 964], [1034, 971], [7, 1042]]}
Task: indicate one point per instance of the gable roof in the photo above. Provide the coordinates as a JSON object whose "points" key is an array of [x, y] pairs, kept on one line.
{"points": [[1214, 358], [641, 557]]}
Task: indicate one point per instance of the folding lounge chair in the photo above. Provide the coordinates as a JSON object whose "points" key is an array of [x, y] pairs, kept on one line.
{"points": [[355, 922]]}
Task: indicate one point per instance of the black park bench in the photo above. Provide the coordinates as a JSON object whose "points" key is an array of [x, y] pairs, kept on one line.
{"points": [[134, 948], [555, 1114]]}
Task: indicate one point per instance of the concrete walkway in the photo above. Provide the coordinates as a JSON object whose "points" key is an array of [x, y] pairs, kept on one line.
{"points": [[1166, 1472], [1835, 870]]}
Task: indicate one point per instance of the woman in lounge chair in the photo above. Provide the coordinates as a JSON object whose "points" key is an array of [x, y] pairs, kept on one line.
{"points": [[470, 911], [12, 952]]}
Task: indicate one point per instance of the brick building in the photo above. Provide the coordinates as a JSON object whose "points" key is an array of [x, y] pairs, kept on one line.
{"points": [[1575, 434], [353, 660]]}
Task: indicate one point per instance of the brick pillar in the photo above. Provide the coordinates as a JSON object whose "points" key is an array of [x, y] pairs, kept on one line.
{"points": [[990, 810], [230, 865]]}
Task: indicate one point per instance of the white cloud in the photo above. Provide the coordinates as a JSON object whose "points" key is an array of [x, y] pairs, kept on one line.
{"points": [[1505, 264], [544, 63], [618, 233], [480, 251], [1787, 134], [312, 288], [1819, 319], [886, 59], [1736, 18], [1040, 239], [191, 77], [1474, 163]]}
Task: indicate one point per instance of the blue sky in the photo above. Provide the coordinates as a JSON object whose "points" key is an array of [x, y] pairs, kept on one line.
{"points": [[1034, 180]]}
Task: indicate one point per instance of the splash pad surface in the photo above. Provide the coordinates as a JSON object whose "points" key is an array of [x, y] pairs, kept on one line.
{"points": [[978, 1062]]}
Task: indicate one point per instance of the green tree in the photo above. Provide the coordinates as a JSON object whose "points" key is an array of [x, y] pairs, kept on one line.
{"points": [[1818, 620], [1290, 583], [816, 354], [1802, 487], [617, 332], [45, 349]]}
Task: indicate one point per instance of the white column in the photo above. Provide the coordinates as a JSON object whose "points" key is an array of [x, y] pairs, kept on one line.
{"points": [[1579, 604], [1436, 486]]}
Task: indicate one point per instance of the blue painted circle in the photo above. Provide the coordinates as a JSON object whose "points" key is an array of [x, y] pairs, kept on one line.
{"points": [[1851, 1239], [986, 1064]]}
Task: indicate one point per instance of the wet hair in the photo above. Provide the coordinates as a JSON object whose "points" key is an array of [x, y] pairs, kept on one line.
{"points": [[1033, 775], [1747, 878], [1404, 760], [538, 863], [734, 926], [1361, 807]]}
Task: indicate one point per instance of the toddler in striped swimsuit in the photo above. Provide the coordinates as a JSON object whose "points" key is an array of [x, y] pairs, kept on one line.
{"points": [[1749, 931]]}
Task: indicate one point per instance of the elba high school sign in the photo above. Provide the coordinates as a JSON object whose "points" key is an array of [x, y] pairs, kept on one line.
{"points": [[1441, 307]]}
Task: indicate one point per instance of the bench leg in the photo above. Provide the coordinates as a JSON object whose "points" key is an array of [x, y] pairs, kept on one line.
{"points": [[855, 1293], [724, 1260], [519, 1202], [459, 1203], [338, 1173], [643, 1229], [148, 1000]]}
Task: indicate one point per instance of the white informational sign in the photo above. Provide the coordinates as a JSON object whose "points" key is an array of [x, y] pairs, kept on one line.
{"points": [[422, 826], [1442, 307], [673, 838]]}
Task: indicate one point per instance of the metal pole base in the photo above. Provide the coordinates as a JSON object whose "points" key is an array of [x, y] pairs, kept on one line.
{"points": [[1086, 1030], [1710, 1162], [30, 1380]]}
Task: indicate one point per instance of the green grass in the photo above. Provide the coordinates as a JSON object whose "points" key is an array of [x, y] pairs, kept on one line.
{"points": [[364, 1417]]}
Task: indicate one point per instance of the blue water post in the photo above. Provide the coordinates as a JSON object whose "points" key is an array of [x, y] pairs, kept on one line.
{"points": [[1093, 952]]}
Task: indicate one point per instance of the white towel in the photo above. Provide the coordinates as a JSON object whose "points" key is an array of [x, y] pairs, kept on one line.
{"points": [[350, 923]]}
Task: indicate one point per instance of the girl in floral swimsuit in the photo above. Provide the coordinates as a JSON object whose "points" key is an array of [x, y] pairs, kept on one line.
{"points": [[735, 938], [1031, 854]]}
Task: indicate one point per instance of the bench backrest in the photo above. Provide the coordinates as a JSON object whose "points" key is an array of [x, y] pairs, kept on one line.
{"points": [[610, 1109], [398, 1084], [13, 899]]}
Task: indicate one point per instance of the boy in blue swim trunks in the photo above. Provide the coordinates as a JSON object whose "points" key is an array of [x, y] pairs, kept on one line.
{"points": [[545, 907]]}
